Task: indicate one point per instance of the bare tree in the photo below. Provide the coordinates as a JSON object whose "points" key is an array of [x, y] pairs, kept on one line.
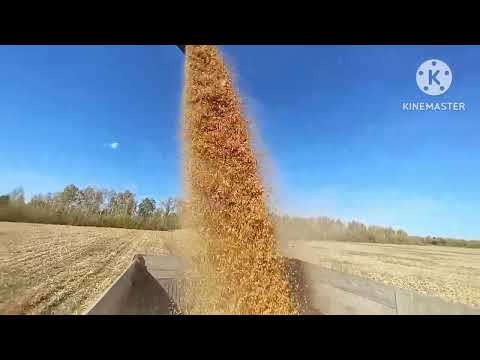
{"points": [[122, 203], [68, 199], [38, 201], [90, 200], [17, 196], [169, 207]]}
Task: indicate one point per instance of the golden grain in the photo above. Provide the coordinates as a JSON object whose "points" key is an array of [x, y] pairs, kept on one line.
{"points": [[241, 272]]}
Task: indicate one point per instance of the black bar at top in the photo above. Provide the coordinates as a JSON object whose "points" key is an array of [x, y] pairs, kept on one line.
{"points": [[182, 48]]}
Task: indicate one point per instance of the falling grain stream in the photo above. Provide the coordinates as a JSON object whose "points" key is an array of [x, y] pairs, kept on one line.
{"points": [[236, 256]]}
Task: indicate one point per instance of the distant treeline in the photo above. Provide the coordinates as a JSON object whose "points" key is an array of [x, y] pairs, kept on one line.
{"points": [[324, 228], [107, 208], [91, 207]]}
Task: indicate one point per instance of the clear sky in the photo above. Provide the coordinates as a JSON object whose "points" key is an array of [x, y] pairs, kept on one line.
{"points": [[329, 120]]}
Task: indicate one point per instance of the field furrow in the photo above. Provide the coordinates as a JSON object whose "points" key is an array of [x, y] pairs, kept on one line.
{"points": [[62, 269], [55, 269], [449, 273]]}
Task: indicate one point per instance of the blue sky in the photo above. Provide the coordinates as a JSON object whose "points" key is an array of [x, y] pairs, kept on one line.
{"points": [[328, 120]]}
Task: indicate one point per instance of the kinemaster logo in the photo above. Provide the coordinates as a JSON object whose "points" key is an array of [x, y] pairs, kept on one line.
{"points": [[434, 77]]}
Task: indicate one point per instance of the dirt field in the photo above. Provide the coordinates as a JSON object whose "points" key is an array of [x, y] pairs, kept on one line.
{"points": [[447, 272], [56, 269]]}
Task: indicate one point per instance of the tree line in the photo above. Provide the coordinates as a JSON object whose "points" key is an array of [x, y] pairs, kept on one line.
{"points": [[91, 207], [324, 228], [102, 207]]}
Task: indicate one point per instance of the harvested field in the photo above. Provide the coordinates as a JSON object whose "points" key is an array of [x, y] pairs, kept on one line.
{"points": [[57, 269], [450, 273]]}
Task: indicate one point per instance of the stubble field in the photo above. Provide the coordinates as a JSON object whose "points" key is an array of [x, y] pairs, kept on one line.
{"points": [[451, 273], [56, 269]]}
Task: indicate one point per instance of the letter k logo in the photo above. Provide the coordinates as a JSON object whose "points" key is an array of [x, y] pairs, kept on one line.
{"points": [[433, 77]]}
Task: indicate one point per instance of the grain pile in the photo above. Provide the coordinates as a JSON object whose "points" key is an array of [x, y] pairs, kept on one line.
{"points": [[236, 259]]}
